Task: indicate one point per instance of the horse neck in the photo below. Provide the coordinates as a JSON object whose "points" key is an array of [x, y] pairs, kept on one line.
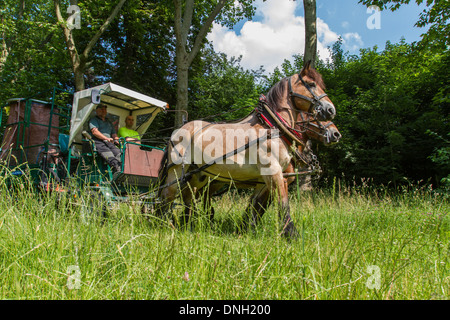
{"points": [[304, 139], [286, 112], [278, 99]]}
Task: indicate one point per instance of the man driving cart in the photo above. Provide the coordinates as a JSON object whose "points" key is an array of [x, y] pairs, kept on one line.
{"points": [[104, 136]]}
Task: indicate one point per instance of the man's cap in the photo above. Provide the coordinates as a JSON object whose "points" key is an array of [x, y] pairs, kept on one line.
{"points": [[101, 105]]}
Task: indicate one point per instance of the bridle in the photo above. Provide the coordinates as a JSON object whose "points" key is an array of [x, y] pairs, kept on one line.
{"points": [[316, 104], [306, 125], [291, 130]]}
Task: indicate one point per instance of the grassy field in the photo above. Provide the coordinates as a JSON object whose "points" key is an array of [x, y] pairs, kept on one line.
{"points": [[355, 243]]}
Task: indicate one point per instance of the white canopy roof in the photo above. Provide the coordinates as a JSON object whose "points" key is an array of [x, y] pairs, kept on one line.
{"points": [[120, 102]]}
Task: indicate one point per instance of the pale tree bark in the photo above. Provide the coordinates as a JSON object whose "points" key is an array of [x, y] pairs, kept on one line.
{"points": [[80, 61], [309, 6], [184, 54], [310, 31], [7, 41], [5, 49]]}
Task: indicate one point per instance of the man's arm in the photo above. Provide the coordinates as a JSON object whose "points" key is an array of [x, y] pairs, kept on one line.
{"points": [[96, 133]]}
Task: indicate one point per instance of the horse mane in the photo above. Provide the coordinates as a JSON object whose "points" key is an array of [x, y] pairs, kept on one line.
{"points": [[276, 94]]}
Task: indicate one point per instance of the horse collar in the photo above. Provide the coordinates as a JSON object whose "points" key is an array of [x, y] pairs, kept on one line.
{"points": [[274, 120]]}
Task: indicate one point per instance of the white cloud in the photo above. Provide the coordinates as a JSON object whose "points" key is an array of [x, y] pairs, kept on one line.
{"points": [[352, 41], [277, 36]]}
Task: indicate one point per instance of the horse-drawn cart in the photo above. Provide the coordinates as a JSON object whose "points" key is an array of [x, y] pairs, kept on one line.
{"points": [[49, 140], [261, 151]]}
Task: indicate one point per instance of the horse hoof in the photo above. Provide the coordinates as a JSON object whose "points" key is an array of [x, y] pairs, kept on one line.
{"points": [[291, 233]]}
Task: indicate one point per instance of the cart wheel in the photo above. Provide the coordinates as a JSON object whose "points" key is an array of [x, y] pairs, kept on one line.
{"points": [[147, 210], [93, 207]]}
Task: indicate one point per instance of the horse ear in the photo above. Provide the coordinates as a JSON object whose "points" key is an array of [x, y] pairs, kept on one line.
{"points": [[305, 68]]}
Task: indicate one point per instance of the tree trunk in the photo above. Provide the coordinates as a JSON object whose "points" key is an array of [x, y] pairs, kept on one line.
{"points": [[79, 78], [182, 94], [310, 55], [79, 61], [182, 27], [310, 31], [3, 55]]}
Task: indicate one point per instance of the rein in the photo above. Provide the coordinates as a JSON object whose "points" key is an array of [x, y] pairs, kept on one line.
{"points": [[274, 120], [188, 175]]}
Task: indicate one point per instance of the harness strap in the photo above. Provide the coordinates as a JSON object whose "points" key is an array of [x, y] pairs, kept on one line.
{"points": [[280, 123], [248, 182], [186, 177]]}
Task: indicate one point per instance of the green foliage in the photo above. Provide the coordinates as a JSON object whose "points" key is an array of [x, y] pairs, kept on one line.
{"points": [[136, 50], [441, 157], [385, 103], [223, 90], [32, 58]]}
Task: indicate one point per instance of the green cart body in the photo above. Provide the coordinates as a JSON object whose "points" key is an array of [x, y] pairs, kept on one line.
{"points": [[50, 140]]}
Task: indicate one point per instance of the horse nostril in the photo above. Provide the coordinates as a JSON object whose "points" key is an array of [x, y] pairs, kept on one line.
{"points": [[331, 111], [337, 136]]}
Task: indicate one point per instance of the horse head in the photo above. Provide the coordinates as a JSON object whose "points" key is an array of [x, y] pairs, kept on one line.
{"points": [[305, 92], [323, 131]]}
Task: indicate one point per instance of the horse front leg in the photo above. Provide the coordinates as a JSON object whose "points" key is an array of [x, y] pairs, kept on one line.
{"points": [[278, 186], [289, 229], [206, 195]]}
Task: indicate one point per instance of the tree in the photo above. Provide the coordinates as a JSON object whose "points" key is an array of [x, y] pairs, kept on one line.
{"points": [[387, 102], [223, 90], [80, 61], [31, 58], [137, 50], [310, 31], [192, 22]]}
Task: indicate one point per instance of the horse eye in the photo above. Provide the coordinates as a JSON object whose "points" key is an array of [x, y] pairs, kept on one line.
{"points": [[311, 84]]}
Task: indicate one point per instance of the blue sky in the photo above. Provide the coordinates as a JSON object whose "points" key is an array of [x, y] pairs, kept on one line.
{"points": [[277, 30], [348, 16]]}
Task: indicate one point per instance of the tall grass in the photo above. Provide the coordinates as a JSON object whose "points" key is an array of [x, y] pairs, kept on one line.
{"points": [[354, 243]]}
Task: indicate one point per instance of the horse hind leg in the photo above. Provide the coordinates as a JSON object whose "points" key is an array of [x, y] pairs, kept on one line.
{"points": [[194, 194], [171, 192], [257, 207], [188, 194]]}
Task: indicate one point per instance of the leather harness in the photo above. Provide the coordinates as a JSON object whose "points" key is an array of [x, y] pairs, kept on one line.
{"points": [[274, 120]]}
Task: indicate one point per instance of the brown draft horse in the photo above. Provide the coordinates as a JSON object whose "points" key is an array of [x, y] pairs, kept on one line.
{"points": [[325, 132], [250, 150]]}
